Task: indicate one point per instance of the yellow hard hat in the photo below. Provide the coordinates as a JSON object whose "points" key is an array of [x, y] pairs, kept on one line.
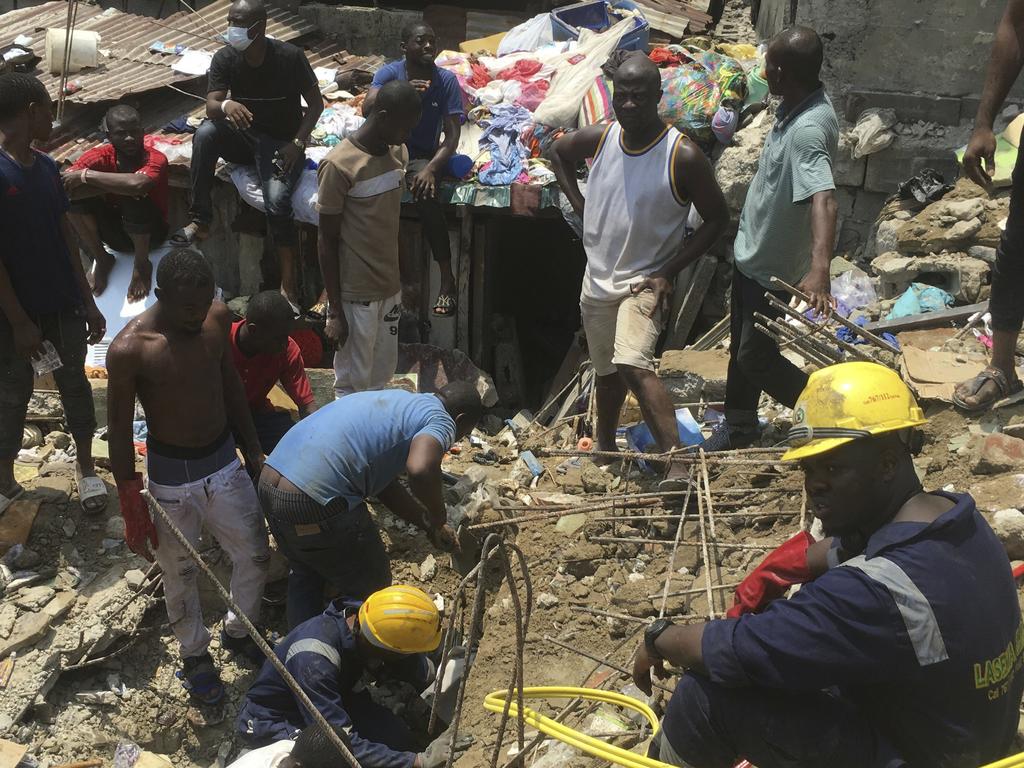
{"points": [[848, 401], [401, 619]]}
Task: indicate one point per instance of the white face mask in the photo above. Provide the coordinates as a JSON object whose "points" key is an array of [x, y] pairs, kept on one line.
{"points": [[238, 38]]}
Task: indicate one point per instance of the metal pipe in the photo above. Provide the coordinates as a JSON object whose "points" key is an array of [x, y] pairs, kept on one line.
{"points": [[877, 341], [846, 346], [784, 341]]}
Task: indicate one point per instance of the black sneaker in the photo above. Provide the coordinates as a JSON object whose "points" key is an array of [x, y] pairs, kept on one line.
{"points": [[722, 438], [244, 646]]}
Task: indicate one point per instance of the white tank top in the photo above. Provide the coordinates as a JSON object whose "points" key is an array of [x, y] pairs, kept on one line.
{"points": [[635, 216]]}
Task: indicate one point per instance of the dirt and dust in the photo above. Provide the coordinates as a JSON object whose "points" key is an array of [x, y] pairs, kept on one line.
{"points": [[597, 578]]}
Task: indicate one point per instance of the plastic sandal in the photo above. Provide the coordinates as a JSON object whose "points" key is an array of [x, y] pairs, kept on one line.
{"points": [[202, 680], [997, 377]]}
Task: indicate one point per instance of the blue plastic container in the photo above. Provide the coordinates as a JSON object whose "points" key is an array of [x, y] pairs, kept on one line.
{"points": [[640, 439], [566, 23]]}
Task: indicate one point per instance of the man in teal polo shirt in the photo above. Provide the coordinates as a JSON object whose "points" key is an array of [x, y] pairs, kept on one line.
{"points": [[787, 230]]}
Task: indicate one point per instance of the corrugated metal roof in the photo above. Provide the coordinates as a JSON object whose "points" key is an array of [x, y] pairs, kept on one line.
{"points": [[676, 17], [129, 66]]}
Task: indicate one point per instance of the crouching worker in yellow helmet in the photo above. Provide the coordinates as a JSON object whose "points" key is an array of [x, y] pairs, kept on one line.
{"points": [[905, 643], [332, 656]]}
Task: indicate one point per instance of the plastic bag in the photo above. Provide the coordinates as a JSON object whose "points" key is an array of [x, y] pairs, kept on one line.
{"points": [[528, 36], [854, 289], [926, 187], [918, 299], [575, 73], [872, 134]]}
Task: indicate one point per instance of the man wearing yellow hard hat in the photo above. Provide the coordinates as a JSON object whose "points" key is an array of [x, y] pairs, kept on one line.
{"points": [[331, 655], [904, 644]]}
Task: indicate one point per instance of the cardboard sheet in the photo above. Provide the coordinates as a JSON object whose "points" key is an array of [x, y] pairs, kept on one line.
{"points": [[113, 302]]}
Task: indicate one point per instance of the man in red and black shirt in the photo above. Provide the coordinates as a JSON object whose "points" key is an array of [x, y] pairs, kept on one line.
{"points": [[264, 354], [119, 198]]}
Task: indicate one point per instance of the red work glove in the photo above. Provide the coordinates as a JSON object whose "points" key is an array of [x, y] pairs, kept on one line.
{"points": [[139, 530], [783, 568]]}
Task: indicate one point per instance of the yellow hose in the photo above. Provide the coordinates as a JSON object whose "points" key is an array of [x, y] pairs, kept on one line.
{"points": [[495, 702], [1014, 761]]}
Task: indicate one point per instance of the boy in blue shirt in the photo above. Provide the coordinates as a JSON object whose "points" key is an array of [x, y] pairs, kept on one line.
{"points": [[428, 155], [44, 294]]}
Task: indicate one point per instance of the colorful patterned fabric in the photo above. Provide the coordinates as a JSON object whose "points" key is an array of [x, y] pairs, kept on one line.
{"points": [[597, 103]]}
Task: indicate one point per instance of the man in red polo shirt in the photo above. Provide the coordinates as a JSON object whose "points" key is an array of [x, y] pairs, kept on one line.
{"points": [[119, 198], [264, 355]]}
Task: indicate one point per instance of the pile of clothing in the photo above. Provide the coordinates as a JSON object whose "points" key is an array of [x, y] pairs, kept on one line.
{"points": [[336, 122], [704, 91], [500, 95]]}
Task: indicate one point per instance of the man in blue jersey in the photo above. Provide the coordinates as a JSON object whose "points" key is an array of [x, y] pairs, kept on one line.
{"points": [[902, 647], [429, 155], [315, 483]]}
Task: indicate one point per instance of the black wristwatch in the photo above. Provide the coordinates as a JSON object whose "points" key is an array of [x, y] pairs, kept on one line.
{"points": [[652, 633]]}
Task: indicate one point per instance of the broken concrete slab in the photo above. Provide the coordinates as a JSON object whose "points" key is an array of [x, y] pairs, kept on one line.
{"points": [[34, 598], [60, 605], [711, 365], [963, 276], [1008, 525], [996, 453], [28, 630]]}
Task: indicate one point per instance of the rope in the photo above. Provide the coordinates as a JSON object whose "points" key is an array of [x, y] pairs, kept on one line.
{"points": [[254, 633], [69, 36]]}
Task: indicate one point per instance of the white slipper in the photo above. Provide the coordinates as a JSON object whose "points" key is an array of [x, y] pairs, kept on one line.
{"points": [[6, 501], [90, 491]]}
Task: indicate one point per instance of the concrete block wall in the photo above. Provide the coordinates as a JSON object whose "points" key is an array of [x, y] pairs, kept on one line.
{"points": [[905, 46], [924, 59], [361, 31]]}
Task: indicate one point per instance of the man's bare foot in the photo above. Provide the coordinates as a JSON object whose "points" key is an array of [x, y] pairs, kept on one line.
{"points": [[100, 274], [987, 388], [293, 300], [142, 277]]}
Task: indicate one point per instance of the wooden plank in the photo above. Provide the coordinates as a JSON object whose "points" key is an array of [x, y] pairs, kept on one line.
{"points": [[462, 277], [479, 283], [689, 308], [16, 522], [927, 319], [11, 753]]}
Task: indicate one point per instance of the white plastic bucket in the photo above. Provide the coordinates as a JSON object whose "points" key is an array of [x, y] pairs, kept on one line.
{"points": [[85, 52]]}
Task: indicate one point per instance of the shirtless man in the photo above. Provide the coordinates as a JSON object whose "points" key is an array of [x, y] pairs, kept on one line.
{"points": [[176, 357]]}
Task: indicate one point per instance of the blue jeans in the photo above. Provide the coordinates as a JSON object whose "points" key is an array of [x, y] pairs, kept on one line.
{"points": [[710, 726], [271, 426], [219, 139], [324, 544], [67, 332]]}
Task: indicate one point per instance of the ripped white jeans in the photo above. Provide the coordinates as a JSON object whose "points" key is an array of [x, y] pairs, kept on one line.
{"points": [[227, 504]]}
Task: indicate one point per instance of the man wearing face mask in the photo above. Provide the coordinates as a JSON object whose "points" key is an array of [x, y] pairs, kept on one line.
{"points": [[255, 116]]}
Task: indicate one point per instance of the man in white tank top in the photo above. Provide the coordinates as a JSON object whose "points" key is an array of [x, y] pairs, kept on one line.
{"points": [[644, 177]]}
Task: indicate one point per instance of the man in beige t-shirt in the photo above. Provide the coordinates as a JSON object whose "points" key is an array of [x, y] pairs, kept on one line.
{"points": [[360, 199]]}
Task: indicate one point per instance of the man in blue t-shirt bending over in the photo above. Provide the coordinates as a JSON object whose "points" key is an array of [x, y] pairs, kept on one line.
{"points": [[315, 483], [428, 156]]}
